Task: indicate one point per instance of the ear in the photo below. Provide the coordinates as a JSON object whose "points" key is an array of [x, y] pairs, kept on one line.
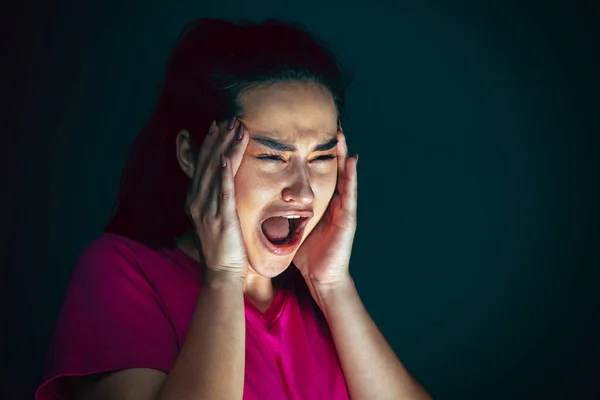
{"points": [[185, 153]]}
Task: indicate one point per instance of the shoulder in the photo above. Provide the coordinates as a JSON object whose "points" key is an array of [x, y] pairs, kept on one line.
{"points": [[119, 266], [112, 252], [112, 318], [109, 245], [108, 288], [110, 262]]}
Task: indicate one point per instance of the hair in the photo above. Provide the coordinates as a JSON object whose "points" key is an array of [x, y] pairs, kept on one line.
{"points": [[212, 63]]}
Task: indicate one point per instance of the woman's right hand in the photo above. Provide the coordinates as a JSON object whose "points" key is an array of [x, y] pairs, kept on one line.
{"points": [[210, 201]]}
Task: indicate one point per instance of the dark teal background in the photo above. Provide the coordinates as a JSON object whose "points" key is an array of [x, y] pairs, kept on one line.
{"points": [[476, 124]]}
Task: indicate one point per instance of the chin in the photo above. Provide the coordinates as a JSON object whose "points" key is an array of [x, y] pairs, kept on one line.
{"points": [[270, 266]]}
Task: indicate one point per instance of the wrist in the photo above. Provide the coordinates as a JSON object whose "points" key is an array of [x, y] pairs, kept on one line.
{"points": [[332, 286], [216, 279], [327, 292], [332, 294]]}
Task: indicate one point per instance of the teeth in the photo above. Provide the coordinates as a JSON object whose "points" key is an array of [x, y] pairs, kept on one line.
{"points": [[292, 216]]}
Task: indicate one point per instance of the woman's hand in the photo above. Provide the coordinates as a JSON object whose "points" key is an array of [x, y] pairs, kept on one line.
{"points": [[324, 257], [210, 201]]}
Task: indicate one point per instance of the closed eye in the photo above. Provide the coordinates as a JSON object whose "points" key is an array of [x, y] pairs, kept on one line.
{"points": [[277, 157], [271, 157], [324, 158]]}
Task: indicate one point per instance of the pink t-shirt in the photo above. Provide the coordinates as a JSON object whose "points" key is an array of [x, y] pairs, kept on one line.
{"points": [[129, 306]]}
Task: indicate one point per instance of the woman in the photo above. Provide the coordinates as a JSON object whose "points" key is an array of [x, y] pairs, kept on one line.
{"points": [[223, 273]]}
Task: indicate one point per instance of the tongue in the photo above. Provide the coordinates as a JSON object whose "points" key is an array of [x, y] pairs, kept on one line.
{"points": [[276, 228]]}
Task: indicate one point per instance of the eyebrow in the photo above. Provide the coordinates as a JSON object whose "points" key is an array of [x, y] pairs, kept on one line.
{"points": [[282, 146]]}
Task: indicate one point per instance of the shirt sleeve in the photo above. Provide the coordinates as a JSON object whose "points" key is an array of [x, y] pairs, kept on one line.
{"points": [[111, 318]]}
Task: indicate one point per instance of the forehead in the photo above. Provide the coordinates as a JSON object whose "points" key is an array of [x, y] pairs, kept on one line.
{"points": [[290, 111]]}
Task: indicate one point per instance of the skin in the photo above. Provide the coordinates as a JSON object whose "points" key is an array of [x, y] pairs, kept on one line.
{"points": [[211, 361], [300, 115]]}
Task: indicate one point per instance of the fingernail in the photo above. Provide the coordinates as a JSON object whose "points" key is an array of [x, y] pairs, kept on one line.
{"points": [[240, 132], [223, 162], [340, 126], [211, 127], [356, 158], [231, 123]]}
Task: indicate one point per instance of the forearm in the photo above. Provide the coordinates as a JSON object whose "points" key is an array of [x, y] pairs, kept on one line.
{"points": [[371, 368], [210, 364]]}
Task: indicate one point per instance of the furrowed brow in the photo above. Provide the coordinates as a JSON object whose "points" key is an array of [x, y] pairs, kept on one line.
{"points": [[326, 146], [281, 146], [273, 144]]}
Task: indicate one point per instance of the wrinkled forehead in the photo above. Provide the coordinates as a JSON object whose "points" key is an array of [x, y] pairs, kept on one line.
{"points": [[293, 112]]}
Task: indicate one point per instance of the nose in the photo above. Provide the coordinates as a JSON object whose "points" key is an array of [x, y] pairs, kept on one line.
{"points": [[298, 189]]}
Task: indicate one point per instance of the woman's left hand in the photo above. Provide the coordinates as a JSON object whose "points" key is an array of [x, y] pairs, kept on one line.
{"points": [[324, 257]]}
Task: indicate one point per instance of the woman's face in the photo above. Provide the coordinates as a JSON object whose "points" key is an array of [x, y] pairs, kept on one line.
{"points": [[289, 168]]}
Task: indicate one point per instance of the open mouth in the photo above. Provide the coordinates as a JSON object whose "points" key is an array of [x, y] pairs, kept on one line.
{"points": [[281, 234]]}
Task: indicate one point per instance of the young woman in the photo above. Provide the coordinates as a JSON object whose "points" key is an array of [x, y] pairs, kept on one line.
{"points": [[223, 273]]}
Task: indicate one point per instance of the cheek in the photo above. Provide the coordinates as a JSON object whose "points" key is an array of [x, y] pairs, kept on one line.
{"points": [[323, 187], [255, 189], [252, 193]]}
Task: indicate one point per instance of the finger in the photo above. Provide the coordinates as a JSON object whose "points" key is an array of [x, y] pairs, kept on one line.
{"points": [[212, 192], [227, 137], [227, 206], [221, 129], [350, 193], [207, 144], [342, 155], [204, 158], [211, 169], [220, 148], [194, 203], [238, 147]]}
